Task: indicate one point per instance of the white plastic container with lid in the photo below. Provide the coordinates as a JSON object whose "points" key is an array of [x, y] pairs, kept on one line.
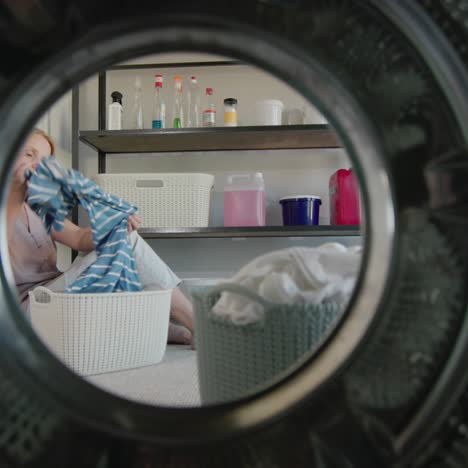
{"points": [[244, 200], [268, 112]]}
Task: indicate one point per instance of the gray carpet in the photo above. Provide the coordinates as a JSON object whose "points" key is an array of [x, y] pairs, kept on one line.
{"points": [[172, 382]]}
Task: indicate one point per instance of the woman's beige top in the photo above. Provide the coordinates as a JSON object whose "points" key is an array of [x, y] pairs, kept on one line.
{"points": [[33, 255]]}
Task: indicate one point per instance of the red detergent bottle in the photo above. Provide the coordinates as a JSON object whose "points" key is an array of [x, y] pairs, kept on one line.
{"points": [[344, 198]]}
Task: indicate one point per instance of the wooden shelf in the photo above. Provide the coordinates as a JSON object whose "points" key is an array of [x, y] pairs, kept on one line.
{"points": [[267, 231], [211, 139]]}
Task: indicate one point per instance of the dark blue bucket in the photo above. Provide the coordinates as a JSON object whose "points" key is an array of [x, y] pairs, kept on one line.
{"points": [[300, 210]]}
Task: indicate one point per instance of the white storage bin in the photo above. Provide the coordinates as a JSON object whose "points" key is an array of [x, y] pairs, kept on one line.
{"points": [[268, 112], [97, 333], [165, 199]]}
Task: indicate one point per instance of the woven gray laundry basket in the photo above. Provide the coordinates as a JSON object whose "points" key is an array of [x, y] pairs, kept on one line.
{"points": [[237, 360]]}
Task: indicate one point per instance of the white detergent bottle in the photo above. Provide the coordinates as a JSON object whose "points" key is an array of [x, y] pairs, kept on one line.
{"points": [[244, 200], [115, 112]]}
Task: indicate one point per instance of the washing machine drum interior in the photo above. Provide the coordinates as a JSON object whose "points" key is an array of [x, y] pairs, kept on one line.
{"points": [[392, 78]]}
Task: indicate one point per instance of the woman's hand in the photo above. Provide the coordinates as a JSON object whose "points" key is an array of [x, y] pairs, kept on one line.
{"points": [[134, 222]]}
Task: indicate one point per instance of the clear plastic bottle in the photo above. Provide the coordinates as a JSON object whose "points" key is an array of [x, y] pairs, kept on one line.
{"points": [[159, 106], [194, 111], [115, 112], [177, 109], [136, 115], [209, 110]]}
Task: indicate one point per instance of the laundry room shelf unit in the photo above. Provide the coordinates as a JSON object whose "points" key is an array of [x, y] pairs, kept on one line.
{"points": [[242, 138]]}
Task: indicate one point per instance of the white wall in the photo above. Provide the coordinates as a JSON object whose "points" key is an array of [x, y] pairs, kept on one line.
{"points": [[285, 172], [57, 122]]}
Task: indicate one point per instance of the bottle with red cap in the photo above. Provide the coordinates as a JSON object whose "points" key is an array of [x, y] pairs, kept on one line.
{"points": [[209, 111], [159, 106]]}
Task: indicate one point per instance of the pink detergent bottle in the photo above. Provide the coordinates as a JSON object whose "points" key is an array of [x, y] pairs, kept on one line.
{"points": [[244, 200], [344, 198]]}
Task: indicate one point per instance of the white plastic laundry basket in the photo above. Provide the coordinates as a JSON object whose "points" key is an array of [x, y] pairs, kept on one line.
{"points": [[165, 199], [97, 333]]}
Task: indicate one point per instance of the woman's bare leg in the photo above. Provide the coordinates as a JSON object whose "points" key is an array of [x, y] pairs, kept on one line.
{"points": [[182, 309], [178, 334], [182, 312], [153, 271]]}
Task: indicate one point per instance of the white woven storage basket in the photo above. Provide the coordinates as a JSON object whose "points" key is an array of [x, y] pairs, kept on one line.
{"points": [[165, 199], [97, 333]]}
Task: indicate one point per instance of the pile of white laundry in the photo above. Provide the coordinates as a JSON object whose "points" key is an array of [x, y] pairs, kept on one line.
{"points": [[296, 275]]}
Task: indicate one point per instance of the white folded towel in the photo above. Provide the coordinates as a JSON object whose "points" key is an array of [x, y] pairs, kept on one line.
{"points": [[296, 275]]}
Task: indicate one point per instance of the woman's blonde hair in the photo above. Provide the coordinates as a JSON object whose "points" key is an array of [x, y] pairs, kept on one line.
{"points": [[38, 131]]}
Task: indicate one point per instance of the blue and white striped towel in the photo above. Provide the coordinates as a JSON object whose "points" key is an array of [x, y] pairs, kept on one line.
{"points": [[53, 191]]}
